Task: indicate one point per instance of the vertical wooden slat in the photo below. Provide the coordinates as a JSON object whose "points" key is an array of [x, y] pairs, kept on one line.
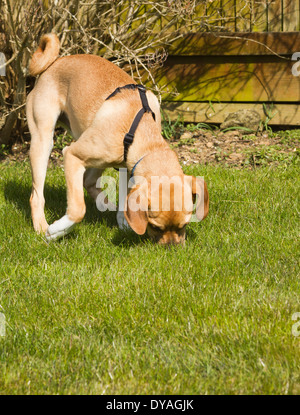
{"points": [[158, 24], [168, 19], [200, 12], [291, 15], [274, 9], [137, 12], [228, 12], [214, 14], [259, 13], [222, 14], [243, 16]]}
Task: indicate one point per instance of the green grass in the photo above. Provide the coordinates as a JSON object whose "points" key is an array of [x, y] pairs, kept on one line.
{"points": [[106, 311]]}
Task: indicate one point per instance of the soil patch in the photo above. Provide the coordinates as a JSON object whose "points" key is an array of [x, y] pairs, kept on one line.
{"points": [[232, 148]]}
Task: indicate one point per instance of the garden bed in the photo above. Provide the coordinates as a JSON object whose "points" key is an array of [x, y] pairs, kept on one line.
{"points": [[195, 145]]}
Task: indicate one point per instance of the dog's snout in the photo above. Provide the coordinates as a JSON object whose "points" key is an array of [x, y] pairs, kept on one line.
{"points": [[171, 238], [172, 243]]}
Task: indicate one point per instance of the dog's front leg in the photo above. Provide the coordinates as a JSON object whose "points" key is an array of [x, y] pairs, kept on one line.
{"points": [[74, 171], [122, 222]]}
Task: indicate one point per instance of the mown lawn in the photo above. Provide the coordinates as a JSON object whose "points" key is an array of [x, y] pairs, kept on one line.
{"points": [[107, 312]]}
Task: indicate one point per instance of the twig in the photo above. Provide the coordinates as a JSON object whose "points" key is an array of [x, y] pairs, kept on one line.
{"points": [[254, 41]]}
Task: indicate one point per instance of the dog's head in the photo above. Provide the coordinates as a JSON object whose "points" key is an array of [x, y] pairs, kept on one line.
{"points": [[164, 206]]}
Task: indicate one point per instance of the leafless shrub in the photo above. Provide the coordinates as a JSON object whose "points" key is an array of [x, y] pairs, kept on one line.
{"points": [[133, 34]]}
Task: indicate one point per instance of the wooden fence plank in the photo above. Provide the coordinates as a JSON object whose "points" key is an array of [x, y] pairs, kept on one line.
{"points": [[202, 79], [236, 44], [259, 12], [274, 10], [284, 114], [291, 18], [235, 65], [229, 14], [214, 13], [200, 11], [243, 16]]}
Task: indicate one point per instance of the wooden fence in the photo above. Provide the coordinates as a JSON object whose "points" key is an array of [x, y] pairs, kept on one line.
{"points": [[246, 62]]}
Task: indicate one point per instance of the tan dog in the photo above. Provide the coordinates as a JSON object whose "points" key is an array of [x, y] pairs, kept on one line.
{"points": [[76, 88]]}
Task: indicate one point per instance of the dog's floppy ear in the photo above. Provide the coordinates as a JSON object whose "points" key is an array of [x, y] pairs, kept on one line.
{"points": [[136, 209], [199, 189]]}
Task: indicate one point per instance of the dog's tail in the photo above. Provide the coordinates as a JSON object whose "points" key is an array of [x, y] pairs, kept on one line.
{"points": [[45, 54]]}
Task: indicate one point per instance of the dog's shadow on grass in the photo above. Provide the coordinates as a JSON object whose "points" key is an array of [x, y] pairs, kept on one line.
{"points": [[18, 195], [128, 238]]}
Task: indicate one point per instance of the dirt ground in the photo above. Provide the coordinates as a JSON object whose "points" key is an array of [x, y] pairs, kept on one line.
{"points": [[236, 149], [232, 148]]}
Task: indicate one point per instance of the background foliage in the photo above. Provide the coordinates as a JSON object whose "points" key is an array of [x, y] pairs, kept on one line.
{"points": [[126, 32], [133, 34]]}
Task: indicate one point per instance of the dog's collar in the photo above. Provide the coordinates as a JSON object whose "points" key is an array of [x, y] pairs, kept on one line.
{"points": [[134, 167], [139, 160]]}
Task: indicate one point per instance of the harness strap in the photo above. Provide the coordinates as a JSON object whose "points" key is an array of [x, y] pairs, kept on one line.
{"points": [[117, 90], [128, 139]]}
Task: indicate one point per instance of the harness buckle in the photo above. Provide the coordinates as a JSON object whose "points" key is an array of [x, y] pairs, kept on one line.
{"points": [[128, 139], [141, 88]]}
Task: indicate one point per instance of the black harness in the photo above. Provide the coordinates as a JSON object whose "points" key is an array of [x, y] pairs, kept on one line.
{"points": [[128, 139]]}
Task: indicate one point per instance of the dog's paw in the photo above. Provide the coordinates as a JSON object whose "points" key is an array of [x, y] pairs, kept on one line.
{"points": [[59, 228], [122, 222]]}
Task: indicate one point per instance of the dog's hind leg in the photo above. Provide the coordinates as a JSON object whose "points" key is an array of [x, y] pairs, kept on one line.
{"points": [[90, 179], [92, 183], [41, 120]]}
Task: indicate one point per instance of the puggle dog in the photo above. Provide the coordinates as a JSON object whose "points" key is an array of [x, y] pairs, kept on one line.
{"points": [[102, 104]]}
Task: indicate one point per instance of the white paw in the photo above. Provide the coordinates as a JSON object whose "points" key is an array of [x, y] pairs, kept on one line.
{"points": [[122, 222], [59, 228]]}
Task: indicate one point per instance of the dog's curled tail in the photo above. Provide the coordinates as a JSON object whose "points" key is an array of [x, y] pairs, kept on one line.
{"points": [[45, 54]]}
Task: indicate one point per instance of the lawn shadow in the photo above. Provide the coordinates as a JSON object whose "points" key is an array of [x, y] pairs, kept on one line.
{"points": [[93, 215], [128, 238], [18, 195], [191, 234]]}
